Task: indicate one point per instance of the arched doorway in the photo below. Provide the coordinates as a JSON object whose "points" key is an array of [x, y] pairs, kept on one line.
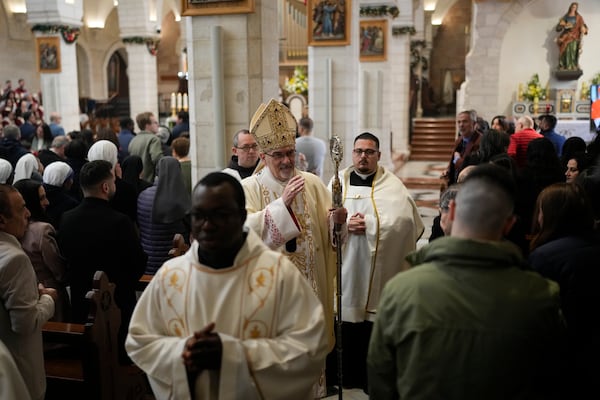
{"points": [[117, 86]]}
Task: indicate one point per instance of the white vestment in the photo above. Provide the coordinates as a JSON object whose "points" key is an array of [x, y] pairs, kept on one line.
{"points": [[308, 223], [270, 323], [12, 385], [393, 226]]}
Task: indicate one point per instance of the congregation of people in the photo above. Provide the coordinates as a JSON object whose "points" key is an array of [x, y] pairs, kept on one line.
{"points": [[499, 304]]}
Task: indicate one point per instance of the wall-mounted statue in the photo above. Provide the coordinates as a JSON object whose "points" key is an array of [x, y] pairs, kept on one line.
{"points": [[572, 28]]}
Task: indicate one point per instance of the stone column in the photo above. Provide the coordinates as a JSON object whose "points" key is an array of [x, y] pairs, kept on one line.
{"points": [[142, 73], [399, 59], [342, 116], [138, 22], [490, 22], [250, 69], [60, 91]]}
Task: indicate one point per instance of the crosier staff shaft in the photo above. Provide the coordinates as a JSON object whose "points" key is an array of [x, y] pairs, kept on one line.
{"points": [[337, 154]]}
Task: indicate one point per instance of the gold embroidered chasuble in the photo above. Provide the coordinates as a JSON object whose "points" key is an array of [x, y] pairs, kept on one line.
{"points": [[270, 323], [268, 216]]}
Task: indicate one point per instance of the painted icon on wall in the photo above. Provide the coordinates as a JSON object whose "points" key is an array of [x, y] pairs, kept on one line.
{"points": [[48, 54], [328, 22]]}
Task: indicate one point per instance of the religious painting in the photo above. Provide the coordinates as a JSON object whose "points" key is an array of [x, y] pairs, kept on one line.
{"points": [[329, 22], [216, 7], [48, 54], [373, 40]]}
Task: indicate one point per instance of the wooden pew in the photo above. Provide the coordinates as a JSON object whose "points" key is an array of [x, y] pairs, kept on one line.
{"points": [[81, 360], [179, 248], [143, 282]]}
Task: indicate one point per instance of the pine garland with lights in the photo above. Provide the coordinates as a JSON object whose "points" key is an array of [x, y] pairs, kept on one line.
{"points": [[68, 33], [379, 11], [403, 30]]}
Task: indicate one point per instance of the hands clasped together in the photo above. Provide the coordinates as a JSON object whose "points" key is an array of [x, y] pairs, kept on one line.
{"points": [[203, 350], [356, 224]]}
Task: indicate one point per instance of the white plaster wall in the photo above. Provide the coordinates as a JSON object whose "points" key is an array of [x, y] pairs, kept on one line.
{"points": [[250, 64], [18, 50], [528, 48]]}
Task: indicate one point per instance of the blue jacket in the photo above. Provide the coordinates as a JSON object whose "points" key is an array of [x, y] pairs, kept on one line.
{"points": [[12, 150], [157, 238]]}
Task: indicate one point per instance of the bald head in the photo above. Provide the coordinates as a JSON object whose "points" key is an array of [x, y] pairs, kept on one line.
{"points": [[526, 121]]}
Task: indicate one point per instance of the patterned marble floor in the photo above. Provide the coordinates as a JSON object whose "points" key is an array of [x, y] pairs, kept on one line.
{"points": [[422, 180]]}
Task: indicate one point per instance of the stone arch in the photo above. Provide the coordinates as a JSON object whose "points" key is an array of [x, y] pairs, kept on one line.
{"points": [[116, 47], [490, 23], [116, 80]]}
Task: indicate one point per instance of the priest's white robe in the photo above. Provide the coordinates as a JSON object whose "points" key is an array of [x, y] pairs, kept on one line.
{"points": [[269, 321], [393, 226], [310, 225]]}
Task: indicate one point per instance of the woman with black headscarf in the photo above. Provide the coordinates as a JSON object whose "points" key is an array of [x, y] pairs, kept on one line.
{"points": [[132, 168], [163, 211]]}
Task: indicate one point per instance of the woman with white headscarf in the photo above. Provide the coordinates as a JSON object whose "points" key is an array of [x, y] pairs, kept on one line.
{"points": [[58, 178], [125, 198], [163, 211], [28, 167], [6, 171]]}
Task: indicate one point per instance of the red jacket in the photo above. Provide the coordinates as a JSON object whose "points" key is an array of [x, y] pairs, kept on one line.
{"points": [[519, 141]]}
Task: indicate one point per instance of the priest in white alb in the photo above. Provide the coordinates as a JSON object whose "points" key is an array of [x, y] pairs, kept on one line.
{"points": [[230, 319], [383, 227]]}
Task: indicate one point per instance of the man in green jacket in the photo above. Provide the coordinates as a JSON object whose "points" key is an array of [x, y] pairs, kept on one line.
{"points": [[147, 145], [466, 322]]}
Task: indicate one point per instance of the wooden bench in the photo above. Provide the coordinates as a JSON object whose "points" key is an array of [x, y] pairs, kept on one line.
{"points": [[179, 248], [81, 360], [143, 282]]}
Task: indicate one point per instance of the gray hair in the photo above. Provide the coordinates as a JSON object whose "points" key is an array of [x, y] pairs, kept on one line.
{"points": [[59, 141], [471, 113], [12, 131], [236, 137]]}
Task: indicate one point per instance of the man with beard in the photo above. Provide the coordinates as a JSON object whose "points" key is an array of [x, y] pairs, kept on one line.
{"points": [[94, 237], [25, 305], [291, 209], [383, 228], [466, 143]]}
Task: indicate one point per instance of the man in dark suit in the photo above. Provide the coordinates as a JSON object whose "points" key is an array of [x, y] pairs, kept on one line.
{"points": [[28, 126], [10, 145], [56, 152], [93, 237]]}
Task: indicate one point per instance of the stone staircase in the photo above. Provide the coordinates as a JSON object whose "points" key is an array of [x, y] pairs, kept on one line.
{"points": [[432, 139]]}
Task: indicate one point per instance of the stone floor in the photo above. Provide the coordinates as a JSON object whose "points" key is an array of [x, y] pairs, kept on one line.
{"points": [[422, 180]]}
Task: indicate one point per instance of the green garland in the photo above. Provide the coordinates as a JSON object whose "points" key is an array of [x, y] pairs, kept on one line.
{"points": [[68, 33], [151, 43], [137, 39], [416, 56], [403, 30], [379, 11]]}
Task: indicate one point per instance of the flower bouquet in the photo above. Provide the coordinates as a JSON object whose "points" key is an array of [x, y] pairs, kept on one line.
{"points": [[535, 90], [298, 83]]}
